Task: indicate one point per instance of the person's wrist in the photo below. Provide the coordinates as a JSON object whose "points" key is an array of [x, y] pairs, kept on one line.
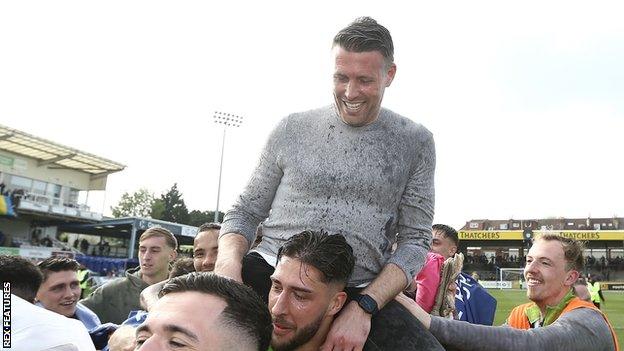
{"points": [[355, 307]]}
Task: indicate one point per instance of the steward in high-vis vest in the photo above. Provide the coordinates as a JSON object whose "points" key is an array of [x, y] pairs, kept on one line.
{"points": [[595, 291], [83, 279], [555, 319]]}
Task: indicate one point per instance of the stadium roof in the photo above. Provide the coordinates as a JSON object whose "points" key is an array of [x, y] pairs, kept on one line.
{"points": [[55, 155]]}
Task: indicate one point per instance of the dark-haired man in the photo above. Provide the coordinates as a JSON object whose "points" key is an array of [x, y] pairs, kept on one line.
{"points": [[33, 327], [352, 168], [113, 301], [205, 247], [60, 290], [23, 276], [204, 311], [307, 291], [473, 303]]}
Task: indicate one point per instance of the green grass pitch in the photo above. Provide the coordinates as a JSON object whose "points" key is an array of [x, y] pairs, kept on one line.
{"points": [[613, 307]]}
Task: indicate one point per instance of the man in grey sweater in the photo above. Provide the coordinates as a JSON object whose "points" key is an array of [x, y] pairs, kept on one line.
{"points": [[555, 319], [352, 168]]}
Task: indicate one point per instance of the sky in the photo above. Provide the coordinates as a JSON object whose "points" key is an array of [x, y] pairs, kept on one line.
{"points": [[525, 99]]}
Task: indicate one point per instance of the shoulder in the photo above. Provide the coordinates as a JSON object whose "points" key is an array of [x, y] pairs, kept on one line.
{"points": [[309, 117], [408, 126], [585, 316]]}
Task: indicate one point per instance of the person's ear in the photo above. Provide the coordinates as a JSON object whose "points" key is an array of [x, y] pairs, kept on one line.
{"points": [[571, 277], [337, 301], [453, 250], [390, 74]]}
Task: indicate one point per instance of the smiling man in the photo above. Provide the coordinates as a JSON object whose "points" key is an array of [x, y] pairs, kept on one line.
{"points": [[205, 247], [60, 290], [352, 168], [555, 319], [202, 312], [113, 301]]}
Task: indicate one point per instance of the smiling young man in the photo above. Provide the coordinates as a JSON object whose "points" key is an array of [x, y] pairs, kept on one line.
{"points": [[555, 319], [205, 247], [60, 290], [113, 301], [206, 312], [352, 168]]}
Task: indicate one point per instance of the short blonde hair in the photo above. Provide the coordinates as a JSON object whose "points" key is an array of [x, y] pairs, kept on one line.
{"points": [[160, 232]]}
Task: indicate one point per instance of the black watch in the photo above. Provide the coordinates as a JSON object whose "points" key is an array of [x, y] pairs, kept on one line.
{"points": [[368, 304]]}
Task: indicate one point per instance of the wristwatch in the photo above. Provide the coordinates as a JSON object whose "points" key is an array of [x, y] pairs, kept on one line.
{"points": [[367, 303]]}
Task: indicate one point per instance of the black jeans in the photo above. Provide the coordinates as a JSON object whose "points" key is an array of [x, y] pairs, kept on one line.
{"points": [[392, 328]]}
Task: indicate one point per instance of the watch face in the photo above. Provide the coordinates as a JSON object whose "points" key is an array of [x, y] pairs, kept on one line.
{"points": [[367, 303]]}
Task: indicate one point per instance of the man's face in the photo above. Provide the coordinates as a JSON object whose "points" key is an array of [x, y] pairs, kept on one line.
{"points": [[546, 275], [205, 249], [183, 321], [442, 245], [154, 256], [300, 303], [360, 79], [60, 292]]}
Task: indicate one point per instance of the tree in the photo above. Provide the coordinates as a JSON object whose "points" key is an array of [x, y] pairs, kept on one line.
{"points": [[174, 207], [197, 218], [137, 204]]}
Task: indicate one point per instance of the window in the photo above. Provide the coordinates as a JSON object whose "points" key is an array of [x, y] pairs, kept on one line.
{"points": [[503, 226], [39, 187], [53, 190], [474, 225], [73, 197], [516, 225], [18, 182]]}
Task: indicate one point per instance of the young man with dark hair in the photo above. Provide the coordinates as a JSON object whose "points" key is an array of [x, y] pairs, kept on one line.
{"points": [[307, 291], [445, 240], [60, 290], [24, 276], [352, 168], [114, 301], [473, 303], [205, 247], [33, 327], [204, 311], [555, 319]]}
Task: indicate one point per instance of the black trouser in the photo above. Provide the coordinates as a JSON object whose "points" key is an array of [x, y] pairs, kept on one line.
{"points": [[392, 328]]}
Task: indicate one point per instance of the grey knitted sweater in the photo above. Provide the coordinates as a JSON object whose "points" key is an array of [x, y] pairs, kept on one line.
{"points": [[367, 183]]}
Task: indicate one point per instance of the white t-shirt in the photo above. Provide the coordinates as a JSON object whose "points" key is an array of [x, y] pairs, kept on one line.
{"points": [[36, 329]]}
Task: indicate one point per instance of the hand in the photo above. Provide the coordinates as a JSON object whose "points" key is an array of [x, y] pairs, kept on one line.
{"points": [[349, 331]]}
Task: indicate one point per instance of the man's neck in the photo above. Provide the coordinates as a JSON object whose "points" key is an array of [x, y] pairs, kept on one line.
{"points": [[318, 339], [155, 278]]}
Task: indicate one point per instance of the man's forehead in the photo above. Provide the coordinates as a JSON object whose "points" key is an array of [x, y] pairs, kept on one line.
{"points": [[207, 235], [154, 241], [293, 272], [61, 276], [550, 249], [177, 303], [440, 235]]}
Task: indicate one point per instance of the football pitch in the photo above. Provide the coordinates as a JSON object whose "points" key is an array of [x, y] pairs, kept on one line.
{"points": [[613, 307]]}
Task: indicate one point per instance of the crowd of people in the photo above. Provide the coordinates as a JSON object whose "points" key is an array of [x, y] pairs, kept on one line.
{"points": [[345, 195]]}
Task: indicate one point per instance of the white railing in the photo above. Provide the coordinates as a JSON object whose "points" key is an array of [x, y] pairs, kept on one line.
{"points": [[46, 204]]}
